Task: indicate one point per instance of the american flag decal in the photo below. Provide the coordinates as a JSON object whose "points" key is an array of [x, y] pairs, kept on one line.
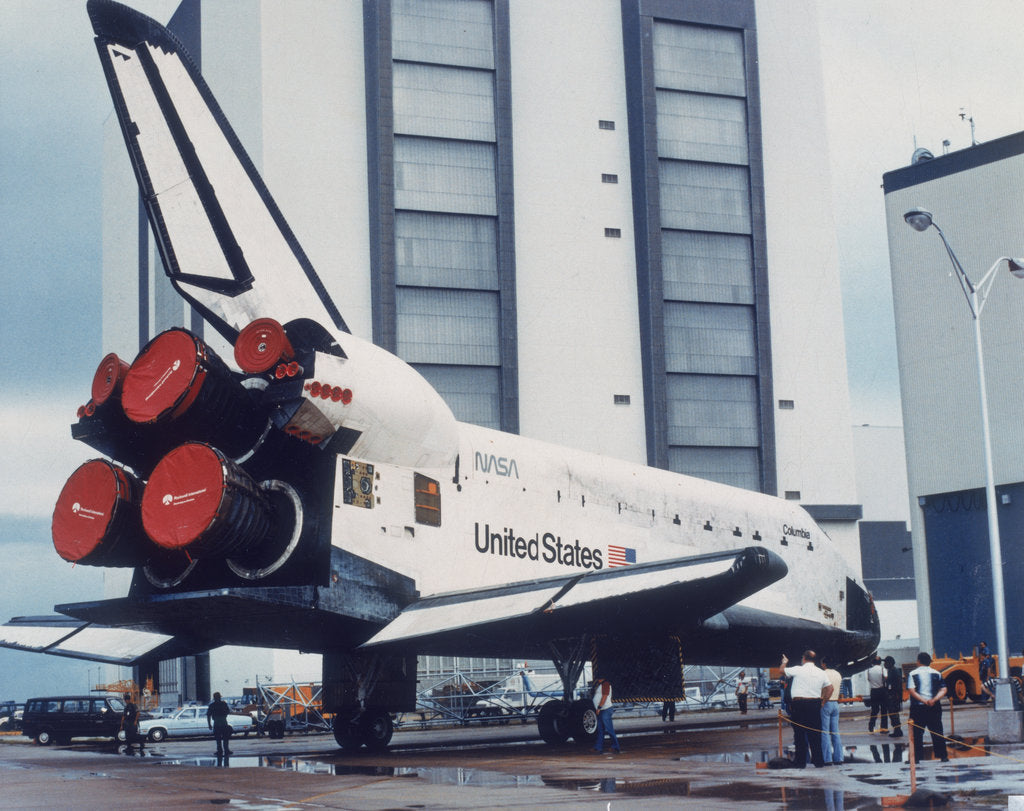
{"points": [[621, 555]]}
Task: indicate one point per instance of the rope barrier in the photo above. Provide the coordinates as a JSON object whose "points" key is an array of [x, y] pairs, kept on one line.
{"points": [[958, 742]]}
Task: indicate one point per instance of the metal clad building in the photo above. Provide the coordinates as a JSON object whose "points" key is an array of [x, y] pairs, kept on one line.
{"points": [[974, 195]]}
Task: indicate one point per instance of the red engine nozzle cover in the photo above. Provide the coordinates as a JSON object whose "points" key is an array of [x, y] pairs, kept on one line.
{"points": [[95, 511], [108, 378], [199, 501], [261, 345], [166, 377]]}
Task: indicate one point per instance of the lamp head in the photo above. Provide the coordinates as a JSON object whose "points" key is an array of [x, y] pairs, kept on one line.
{"points": [[918, 219], [1016, 267]]}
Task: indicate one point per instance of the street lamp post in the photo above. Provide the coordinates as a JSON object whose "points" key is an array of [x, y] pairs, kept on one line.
{"points": [[977, 295]]}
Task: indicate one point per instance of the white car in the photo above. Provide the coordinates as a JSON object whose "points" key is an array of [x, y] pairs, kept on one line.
{"points": [[190, 722]]}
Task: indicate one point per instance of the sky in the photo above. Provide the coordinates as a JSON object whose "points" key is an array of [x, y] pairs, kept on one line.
{"points": [[897, 76]]}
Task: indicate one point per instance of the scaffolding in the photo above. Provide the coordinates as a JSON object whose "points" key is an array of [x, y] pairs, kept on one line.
{"points": [[460, 698], [290, 708]]}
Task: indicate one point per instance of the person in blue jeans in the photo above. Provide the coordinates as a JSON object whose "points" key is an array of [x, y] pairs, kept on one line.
{"points": [[831, 744], [603, 705]]}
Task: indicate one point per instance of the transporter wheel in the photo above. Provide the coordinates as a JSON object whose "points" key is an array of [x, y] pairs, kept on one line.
{"points": [[346, 732], [553, 722], [275, 728], [376, 729], [44, 737], [157, 734], [956, 683], [583, 721]]}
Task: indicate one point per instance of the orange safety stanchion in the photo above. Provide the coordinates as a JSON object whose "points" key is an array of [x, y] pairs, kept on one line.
{"points": [[913, 759], [901, 799], [780, 733]]}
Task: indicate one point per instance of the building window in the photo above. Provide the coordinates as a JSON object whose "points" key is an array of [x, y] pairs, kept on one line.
{"points": [[792, 495], [787, 404], [621, 399], [606, 125], [613, 232], [609, 178]]}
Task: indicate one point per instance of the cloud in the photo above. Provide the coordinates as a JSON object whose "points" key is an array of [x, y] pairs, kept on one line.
{"points": [[38, 452]]}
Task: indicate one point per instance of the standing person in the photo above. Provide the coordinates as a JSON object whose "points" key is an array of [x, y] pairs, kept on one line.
{"points": [[809, 690], [876, 697], [785, 694], [764, 701], [217, 720], [742, 691], [130, 723], [926, 690], [668, 710], [831, 743], [988, 687], [985, 662], [893, 695], [603, 705]]}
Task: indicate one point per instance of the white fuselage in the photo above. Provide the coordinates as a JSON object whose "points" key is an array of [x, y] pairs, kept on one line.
{"points": [[515, 509], [523, 509]]}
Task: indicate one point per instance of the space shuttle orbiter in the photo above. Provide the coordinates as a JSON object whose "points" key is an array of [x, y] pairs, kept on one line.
{"points": [[313, 491]]}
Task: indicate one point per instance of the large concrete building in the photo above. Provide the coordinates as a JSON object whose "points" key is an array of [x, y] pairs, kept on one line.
{"points": [[974, 196], [885, 539], [601, 223]]}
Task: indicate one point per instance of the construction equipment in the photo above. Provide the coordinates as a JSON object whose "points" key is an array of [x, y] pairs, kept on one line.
{"points": [[963, 675], [145, 698]]}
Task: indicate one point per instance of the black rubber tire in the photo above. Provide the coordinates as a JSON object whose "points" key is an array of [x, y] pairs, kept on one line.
{"points": [[553, 722], [44, 737], [346, 732], [157, 734], [376, 729], [275, 729], [956, 687], [583, 721]]}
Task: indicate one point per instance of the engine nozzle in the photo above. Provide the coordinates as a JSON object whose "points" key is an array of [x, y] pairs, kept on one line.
{"points": [[96, 521]]}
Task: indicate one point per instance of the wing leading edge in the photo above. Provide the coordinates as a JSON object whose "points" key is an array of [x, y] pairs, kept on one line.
{"points": [[663, 597]]}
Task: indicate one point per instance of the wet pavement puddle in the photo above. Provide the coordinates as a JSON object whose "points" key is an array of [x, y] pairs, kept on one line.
{"points": [[789, 797]]}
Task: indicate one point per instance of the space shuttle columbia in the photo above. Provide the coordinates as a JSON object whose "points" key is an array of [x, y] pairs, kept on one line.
{"points": [[314, 492]]}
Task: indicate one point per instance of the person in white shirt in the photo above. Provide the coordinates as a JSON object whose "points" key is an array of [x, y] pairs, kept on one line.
{"points": [[742, 691], [831, 743], [927, 689], [603, 705], [877, 697], [810, 689]]}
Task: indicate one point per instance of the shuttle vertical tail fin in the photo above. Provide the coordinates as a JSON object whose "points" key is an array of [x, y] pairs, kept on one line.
{"points": [[222, 238]]}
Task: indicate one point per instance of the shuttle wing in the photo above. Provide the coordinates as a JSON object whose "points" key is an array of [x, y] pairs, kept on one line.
{"points": [[673, 596], [62, 636], [223, 240]]}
